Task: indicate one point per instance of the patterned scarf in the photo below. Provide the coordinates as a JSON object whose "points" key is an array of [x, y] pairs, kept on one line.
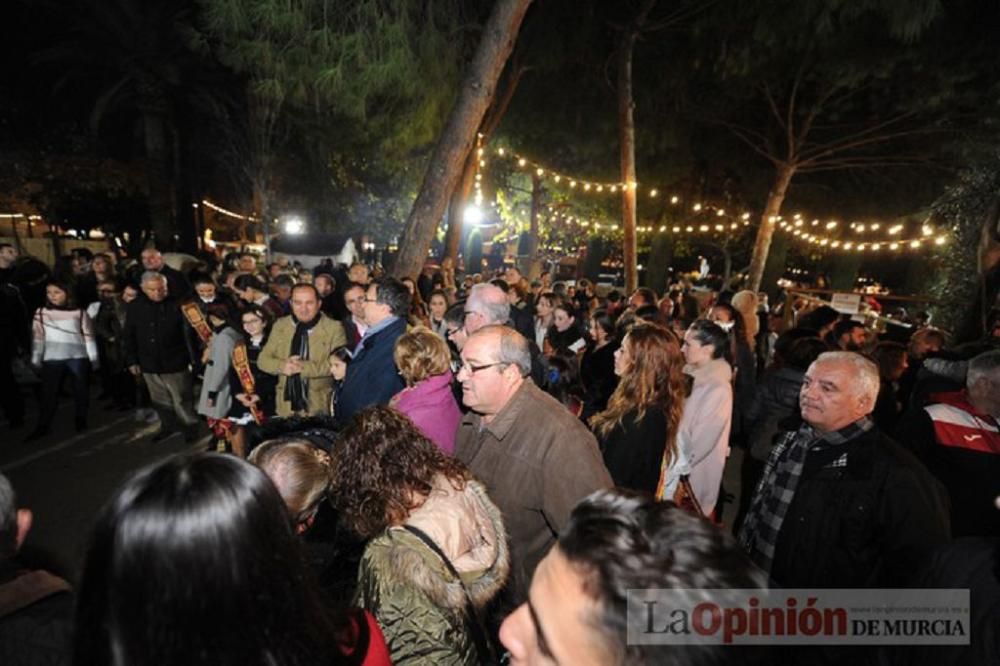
{"points": [[296, 387], [774, 494]]}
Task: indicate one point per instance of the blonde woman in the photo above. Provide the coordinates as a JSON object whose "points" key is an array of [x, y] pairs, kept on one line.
{"points": [[638, 430], [424, 363]]}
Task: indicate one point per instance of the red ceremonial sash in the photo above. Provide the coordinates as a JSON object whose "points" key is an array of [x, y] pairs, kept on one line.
{"points": [[241, 363]]}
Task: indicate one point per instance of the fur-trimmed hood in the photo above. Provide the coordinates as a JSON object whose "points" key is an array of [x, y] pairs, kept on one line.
{"points": [[468, 528]]}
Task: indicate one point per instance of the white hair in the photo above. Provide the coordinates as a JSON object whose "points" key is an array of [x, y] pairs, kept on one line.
{"points": [[864, 370], [982, 366], [490, 301], [149, 276]]}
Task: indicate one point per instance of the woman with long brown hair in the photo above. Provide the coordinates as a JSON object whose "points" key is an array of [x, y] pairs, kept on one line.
{"points": [[638, 430]]}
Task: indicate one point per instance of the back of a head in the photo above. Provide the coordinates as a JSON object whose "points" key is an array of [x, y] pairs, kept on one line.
{"points": [[985, 366], [803, 351], [819, 318], [299, 470], [707, 332], [193, 561], [421, 353], [625, 541], [393, 293]]}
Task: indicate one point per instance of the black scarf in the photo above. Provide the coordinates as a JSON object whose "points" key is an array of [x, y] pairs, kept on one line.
{"points": [[297, 388]]}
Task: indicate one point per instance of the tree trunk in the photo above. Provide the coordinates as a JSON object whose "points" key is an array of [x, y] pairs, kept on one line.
{"points": [[536, 207], [768, 223], [459, 133], [456, 207], [161, 195]]}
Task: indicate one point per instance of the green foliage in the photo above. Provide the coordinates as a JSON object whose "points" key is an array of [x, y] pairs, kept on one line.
{"points": [[964, 209]]}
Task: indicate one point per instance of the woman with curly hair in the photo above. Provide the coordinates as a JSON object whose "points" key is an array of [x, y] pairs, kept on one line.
{"points": [[438, 549], [638, 430]]}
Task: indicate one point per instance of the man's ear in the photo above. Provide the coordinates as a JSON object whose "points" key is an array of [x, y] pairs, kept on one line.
{"points": [[24, 519]]}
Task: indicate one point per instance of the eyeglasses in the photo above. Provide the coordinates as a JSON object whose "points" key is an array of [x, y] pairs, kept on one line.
{"points": [[473, 369], [452, 331], [371, 300]]}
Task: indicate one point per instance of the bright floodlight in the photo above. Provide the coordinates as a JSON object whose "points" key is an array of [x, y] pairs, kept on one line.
{"points": [[473, 214], [294, 225]]}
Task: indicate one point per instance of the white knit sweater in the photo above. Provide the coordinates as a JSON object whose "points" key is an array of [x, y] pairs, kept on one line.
{"points": [[62, 334]]}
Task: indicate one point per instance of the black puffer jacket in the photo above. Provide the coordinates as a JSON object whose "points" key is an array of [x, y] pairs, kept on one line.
{"points": [[776, 399], [862, 525]]}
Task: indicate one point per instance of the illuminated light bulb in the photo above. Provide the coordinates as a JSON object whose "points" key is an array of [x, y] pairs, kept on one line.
{"points": [[597, 226], [586, 187], [500, 152], [835, 243], [831, 225], [557, 178], [895, 230], [875, 226], [674, 200], [798, 232], [539, 171], [614, 227], [600, 188], [521, 162], [479, 176], [877, 246], [734, 226], [719, 227], [824, 242], [703, 227], [633, 185], [893, 246], [797, 215], [479, 152], [677, 230], [653, 193], [940, 240], [926, 231], [862, 247], [696, 207], [689, 229], [799, 223], [815, 222], [745, 216], [572, 183], [614, 188], [915, 244], [720, 213], [482, 163], [663, 228], [848, 245]]}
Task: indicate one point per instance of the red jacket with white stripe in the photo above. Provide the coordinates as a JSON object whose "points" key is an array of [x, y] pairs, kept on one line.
{"points": [[961, 447]]}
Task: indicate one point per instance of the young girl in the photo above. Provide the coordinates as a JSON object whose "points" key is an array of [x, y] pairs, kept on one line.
{"points": [[63, 341], [339, 359]]}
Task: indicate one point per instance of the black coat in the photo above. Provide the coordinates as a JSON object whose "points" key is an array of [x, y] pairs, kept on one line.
{"points": [[862, 525], [633, 452], [372, 377], [597, 374], [155, 336]]}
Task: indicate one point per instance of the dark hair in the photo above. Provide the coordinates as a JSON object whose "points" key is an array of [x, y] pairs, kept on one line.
{"points": [[650, 313], [343, 352], [888, 355], [604, 322], [10, 245], [455, 314], [244, 282], [501, 284], [201, 278], [709, 333], [390, 291], [845, 326], [201, 540], [614, 296], [784, 342], [738, 333], [803, 352], [562, 381], [286, 280], [647, 294], [382, 459], [82, 253], [64, 287], [620, 541], [819, 318]]}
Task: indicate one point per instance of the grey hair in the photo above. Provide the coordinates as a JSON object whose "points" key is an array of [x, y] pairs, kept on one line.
{"points": [[513, 348], [8, 519], [149, 276], [865, 371], [490, 301], [980, 367]]}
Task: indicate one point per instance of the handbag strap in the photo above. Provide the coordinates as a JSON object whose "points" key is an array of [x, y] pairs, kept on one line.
{"points": [[474, 621]]}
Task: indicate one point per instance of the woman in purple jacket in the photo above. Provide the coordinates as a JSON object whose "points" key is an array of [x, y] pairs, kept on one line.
{"points": [[423, 360]]}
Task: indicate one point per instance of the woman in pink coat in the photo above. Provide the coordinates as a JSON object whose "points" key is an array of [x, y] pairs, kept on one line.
{"points": [[424, 362]]}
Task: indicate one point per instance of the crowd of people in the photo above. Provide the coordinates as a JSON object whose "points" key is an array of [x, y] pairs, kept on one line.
{"points": [[493, 461]]}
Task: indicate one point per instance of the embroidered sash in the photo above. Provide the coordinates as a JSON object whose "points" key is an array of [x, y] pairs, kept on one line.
{"points": [[197, 320], [241, 363]]}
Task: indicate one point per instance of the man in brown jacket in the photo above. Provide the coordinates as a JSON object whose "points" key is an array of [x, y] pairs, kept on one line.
{"points": [[536, 459]]}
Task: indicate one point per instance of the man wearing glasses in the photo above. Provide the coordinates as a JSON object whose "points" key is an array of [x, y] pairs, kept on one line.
{"points": [[536, 459]]}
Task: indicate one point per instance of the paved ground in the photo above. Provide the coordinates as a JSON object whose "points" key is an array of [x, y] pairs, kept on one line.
{"points": [[66, 477]]}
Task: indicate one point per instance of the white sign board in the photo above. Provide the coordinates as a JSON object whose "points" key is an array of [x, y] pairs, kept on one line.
{"points": [[846, 303]]}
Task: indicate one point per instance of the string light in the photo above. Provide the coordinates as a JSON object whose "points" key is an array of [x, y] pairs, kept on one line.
{"points": [[228, 213]]}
